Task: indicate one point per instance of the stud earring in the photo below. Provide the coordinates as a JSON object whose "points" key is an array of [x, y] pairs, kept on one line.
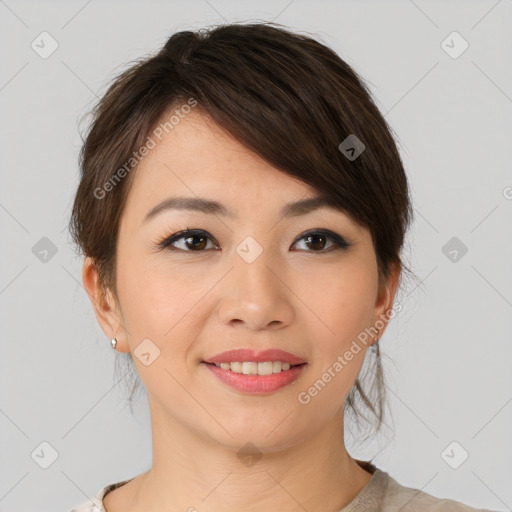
{"points": [[114, 342]]}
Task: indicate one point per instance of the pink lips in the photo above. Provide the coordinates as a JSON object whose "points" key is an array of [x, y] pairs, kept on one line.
{"points": [[256, 384]]}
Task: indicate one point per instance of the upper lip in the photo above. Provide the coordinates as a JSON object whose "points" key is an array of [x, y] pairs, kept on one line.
{"points": [[260, 356]]}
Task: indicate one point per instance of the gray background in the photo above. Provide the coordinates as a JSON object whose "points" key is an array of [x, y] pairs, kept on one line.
{"points": [[450, 347]]}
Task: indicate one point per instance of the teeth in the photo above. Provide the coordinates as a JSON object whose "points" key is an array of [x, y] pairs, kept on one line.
{"points": [[251, 368]]}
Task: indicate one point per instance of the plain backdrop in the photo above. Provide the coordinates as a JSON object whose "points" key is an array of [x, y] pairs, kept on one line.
{"points": [[65, 428]]}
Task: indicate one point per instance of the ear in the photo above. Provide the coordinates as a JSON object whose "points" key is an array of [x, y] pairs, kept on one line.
{"points": [[385, 299], [104, 304]]}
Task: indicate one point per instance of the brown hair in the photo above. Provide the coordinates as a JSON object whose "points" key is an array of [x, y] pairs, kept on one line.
{"points": [[287, 97]]}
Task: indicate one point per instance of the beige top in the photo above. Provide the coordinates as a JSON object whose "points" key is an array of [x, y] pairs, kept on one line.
{"points": [[381, 494]]}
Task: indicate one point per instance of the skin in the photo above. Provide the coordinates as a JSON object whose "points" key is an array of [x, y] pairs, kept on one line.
{"points": [[299, 297]]}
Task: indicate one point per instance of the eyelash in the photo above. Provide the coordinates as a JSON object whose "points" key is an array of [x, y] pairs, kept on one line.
{"points": [[338, 241]]}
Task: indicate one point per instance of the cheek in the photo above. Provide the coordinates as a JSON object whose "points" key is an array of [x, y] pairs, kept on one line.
{"points": [[158, 297], [158, 304], [344, 301]]}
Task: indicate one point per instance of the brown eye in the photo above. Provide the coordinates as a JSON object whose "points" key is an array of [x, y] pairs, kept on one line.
{"points": [[193, 241], [316, 241], [196, 240]]}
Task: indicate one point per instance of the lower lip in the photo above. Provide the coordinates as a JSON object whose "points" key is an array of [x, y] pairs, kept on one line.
{"points": [[256, 384]]}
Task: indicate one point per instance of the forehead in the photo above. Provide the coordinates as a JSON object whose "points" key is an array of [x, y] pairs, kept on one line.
{"points": [[197, 157]]}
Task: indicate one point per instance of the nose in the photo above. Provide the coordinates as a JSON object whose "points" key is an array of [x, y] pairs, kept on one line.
{"points": [[256, 295]]}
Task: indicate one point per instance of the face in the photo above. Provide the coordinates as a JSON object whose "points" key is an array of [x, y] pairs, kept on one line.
{"points": [[247, 277]]}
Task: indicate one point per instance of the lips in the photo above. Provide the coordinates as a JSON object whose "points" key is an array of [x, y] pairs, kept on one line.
{"points": [[256, 384], [245, 355]]}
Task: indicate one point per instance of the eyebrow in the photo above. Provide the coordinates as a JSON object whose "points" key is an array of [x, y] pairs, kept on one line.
{"points": [[209, 206]]}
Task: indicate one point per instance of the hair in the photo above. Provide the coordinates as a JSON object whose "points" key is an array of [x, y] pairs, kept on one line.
{"points": [[285, 96]]}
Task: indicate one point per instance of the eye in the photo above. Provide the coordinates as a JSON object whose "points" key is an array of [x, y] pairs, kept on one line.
{"points": [[195, 240], [317, 239]]}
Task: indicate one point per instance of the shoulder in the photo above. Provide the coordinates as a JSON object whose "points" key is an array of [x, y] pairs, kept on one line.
{"points": [[89, 506], [410, 499], [96, 504]]}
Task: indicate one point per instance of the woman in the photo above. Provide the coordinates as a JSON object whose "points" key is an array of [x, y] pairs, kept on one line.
{"points": [[242, 209]]}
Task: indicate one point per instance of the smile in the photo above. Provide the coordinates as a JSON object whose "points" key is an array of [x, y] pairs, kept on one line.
{"points": [[253, 368], [256, 378]]}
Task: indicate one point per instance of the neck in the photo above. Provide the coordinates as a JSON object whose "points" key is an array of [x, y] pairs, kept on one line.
{"points": [[190, 472]]}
